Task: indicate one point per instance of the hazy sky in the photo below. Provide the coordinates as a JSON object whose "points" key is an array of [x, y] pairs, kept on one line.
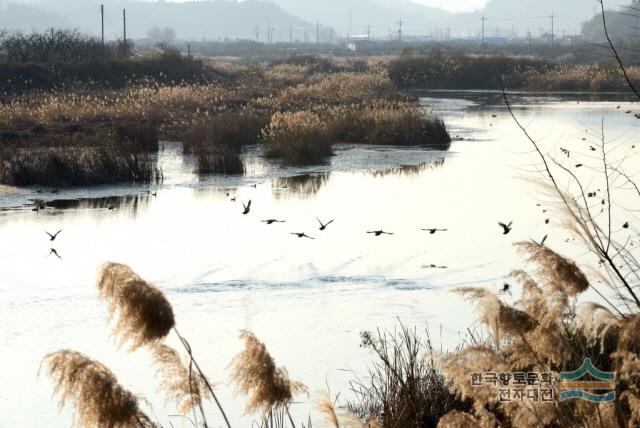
{"points": [[454, 5]]}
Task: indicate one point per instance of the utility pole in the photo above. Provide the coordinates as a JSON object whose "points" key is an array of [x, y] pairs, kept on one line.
{"points": [[331, 36], [552, 28], [368, 33], [483, 22], [102, 22], [400, 30], [257, 34], [317, 34], [290, 34], [124, 31]]}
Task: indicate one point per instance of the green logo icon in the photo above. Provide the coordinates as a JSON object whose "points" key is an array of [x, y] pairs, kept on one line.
{"points": [[600, 390]]}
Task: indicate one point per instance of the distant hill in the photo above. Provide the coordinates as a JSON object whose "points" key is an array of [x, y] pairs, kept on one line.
{"points": [[190, 20], [239, 19]]}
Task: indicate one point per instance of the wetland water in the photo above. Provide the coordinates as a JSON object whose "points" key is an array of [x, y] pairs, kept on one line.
{"points": [[308, 300]]}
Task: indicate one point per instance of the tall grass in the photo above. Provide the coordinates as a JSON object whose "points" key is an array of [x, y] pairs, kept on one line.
{"points": [[405, 387], [298, 138], [106, 155], [437, 70]]}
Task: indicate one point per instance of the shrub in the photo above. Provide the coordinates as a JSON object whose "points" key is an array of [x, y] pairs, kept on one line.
{"points": [[297, 138], [404, 387]]}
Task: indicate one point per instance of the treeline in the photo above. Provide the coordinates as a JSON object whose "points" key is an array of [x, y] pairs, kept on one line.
{"points": [[55, 46]]}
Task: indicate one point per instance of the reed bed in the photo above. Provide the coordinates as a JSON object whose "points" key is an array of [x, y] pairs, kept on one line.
{"points": [[297, 138], [543, 332], [334, 100], [121, 153], [473, 71]]}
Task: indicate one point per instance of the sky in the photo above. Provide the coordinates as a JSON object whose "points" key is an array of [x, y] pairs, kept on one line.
{"points": [[454, 5]]}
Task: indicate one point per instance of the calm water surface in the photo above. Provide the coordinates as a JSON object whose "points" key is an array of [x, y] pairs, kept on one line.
{"points": [[307, 299]]}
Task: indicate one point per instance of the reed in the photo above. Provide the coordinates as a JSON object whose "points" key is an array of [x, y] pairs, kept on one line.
{"points": [[543, 332], [297, 138], [256, 375], [99, 399], [405, 387]]}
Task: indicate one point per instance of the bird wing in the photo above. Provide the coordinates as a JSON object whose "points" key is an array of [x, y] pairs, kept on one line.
{"points": [[48, 233], [329, 223], [249, 204], [502, 225], [57, 233], [321, 225]]}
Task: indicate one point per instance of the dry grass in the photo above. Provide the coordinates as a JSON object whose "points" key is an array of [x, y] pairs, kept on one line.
{"points": [[355, 100], [256, 375], [471, 71], [144, 315], [178, 381], [404, 387], [542, 333], [99, 400], [297, 138], [77, 156]]}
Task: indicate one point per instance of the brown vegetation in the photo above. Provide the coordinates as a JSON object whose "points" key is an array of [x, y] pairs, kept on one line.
{"points": [[436, 70]]}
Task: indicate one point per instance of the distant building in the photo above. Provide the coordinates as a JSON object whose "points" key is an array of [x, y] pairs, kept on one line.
{"points": [[359, 42]]}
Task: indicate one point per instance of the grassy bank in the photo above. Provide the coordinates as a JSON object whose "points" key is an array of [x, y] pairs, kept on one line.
{"points": [[267, 103], [436, 70]]}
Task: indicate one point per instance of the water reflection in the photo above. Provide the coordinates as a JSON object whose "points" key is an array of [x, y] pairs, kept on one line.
{"points": [[129, 203], [303, 185], [408, 170]]}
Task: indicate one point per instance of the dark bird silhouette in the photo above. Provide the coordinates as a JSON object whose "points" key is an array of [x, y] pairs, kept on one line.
{"points": [[506, 227], [233, 199], [247, 207], [565, 151], [505, 288], [53, 237], [272, 220], [433, 231], [302, 235], [626, 225], [111, 208], [254, 185], [593, 149], [379, 232], [155, 193], [541, 242], [323, 226], [433, 267], [54, 252], [578, 165]]}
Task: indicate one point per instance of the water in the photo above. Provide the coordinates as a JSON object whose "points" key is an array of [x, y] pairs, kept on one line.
{"points": [[308, 300]]}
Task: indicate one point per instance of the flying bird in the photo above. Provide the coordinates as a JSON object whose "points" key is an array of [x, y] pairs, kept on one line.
{"points": [[379, 232], [433, 231], [323, 226], [626, 225], [505, 288], [272, 220], [565, 151], [53, 237], [55, 253], [247, 207], [302, 235], [506, 227], [433, 267]]}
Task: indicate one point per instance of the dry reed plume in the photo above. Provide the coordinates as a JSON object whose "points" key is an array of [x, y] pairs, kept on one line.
{"points": [[144, 314], [341, 418], [543, 333], [99, 400], [255, 374], [178, 381]]}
